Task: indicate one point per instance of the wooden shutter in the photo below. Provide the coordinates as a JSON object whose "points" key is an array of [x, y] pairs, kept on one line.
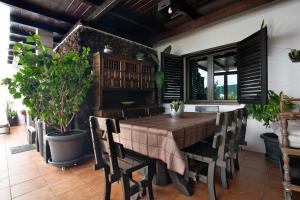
{"points": [[172, 66], [252, 65]]}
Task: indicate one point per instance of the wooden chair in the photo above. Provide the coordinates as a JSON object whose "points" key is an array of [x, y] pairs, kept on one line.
{"points": [[291, 155], [152, 111], [213, 109], [134, 113], [202, 158], [119, 163]]}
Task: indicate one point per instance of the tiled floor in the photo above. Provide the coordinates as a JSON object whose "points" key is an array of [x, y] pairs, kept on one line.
{"points": [[26, 176]]}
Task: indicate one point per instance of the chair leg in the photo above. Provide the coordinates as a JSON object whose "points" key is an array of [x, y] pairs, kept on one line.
{"points": [[236, 161], [228, 168], [224, 179], [107, 185], [150, 175], [125, 186], [232, 167], [211, 181], [288, 195]]}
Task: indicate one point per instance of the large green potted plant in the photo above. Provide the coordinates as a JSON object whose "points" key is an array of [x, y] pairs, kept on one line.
{"points": [[269, 115], [159, 75], [53, 88]]}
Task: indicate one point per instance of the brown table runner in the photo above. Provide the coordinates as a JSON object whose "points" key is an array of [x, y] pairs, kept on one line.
{"points": [[162, 137]]}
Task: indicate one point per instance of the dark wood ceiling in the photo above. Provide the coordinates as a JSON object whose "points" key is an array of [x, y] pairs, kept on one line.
{"points": [[137, 20]]}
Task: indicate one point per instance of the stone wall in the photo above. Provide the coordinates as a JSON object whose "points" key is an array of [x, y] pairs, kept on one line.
{"points": [[96, 40]]}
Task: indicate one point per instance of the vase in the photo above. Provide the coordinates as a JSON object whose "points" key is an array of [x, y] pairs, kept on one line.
{"points": [[179, 113]]}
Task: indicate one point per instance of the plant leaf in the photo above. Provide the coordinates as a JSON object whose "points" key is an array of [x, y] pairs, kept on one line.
{"points": [[167, 49]]}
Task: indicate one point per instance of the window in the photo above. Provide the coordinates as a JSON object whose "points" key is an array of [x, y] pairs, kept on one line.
{"points": [[212, 77], [232, 73], [225, 76]]}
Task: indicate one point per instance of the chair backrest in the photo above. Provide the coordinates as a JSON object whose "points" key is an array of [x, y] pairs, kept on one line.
{"points": [[225, 121], [152, 111], [207, 109], [134, 113], [105, 149], [242, 126]]}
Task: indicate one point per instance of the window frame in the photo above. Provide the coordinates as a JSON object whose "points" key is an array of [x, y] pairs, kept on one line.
{"points": [[209, 53]]}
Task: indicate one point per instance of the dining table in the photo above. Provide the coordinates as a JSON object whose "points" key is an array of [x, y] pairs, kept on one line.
{"points": [[162, 137]]}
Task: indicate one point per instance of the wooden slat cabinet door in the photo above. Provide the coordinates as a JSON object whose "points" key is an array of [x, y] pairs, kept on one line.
{"points": [[147, 76], [112, 73], [132, 75]]}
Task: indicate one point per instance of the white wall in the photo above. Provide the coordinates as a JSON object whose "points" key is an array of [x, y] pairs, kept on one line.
{"points": [[283, 23]]}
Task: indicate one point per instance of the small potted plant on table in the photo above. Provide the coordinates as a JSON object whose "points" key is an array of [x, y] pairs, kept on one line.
{"points": [[54, 88], [177, 108]]}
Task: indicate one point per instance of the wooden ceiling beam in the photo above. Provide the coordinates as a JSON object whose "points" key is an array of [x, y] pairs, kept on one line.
{"points": [[25, 5], [219, 14], [139, 24], [102, 9], [29, 22], [94, 2]]}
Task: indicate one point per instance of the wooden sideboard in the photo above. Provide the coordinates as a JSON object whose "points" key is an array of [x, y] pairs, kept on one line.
{"points": [[120, 79]]}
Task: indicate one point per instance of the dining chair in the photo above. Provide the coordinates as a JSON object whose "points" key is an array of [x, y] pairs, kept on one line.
{"points": [[134, 113], [152, 111], [202, 158], [119, 163], [238, 126]]}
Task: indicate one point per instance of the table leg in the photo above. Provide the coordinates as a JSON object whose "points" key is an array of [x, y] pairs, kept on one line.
{"points": [[161, 176], [181, 184]]}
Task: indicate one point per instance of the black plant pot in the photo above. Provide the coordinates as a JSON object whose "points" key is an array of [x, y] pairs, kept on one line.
{"points": [[273, 152], [294, 59], [66, 149], [13, 121]]}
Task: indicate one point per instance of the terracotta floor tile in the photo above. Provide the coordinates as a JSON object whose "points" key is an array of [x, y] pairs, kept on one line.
{"points": [[27, 186], [82, 192], [41, 194], [5, 193], [3, 174], [4, 182], [19, 178], [21, 169], [59, 176], [66, 185]]}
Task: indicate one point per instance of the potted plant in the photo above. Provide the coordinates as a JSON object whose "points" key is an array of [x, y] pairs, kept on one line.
{"points": [[60, 86], [159, 75], [12, 115], [269, 115], [177, 108], [294, 55]]}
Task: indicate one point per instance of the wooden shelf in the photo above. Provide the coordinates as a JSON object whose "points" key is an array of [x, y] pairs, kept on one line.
{"points": [[130, 79]]}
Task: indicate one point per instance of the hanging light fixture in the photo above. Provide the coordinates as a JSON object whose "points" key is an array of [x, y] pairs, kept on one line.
{"points": [[170, 11]]}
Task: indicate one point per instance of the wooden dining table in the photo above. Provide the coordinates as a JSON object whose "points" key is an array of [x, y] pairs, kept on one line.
{"points": [[162, 137]]}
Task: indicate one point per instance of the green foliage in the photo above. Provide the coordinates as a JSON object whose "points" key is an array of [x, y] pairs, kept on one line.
{"points": [[159, 79], [10, 113], [176, 104], [267, 113], [263, 25], [52, 87], [295, 53], [159, 76]]}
